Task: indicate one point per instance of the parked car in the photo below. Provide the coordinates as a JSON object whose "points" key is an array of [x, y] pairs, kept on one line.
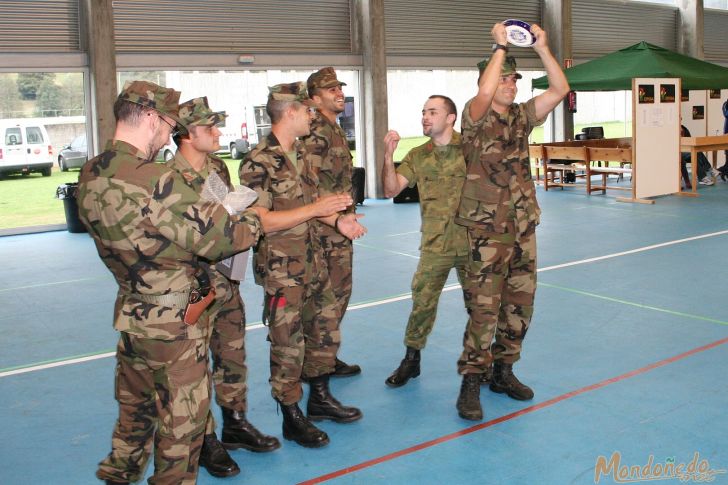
{"points": [[25, 147], [73, 155]]}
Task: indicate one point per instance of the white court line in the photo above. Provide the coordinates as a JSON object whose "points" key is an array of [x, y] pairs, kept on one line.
{"points": [[405, 296], [50, 365]]}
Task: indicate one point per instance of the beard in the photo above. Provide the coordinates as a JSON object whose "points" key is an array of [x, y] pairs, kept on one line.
{"points": [[155, 145]]}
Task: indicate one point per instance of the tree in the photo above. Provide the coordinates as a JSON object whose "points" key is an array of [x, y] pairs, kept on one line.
{"points": [[29, 82], [49, 98], [10, 103]]}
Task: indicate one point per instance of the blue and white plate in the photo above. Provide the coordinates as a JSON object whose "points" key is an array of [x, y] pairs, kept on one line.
{"points": [[519, 33]]}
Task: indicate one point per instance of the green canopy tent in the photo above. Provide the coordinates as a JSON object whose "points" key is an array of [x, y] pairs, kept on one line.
{"points": [[614, 72]]}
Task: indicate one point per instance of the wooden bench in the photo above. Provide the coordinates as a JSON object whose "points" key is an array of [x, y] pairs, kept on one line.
{"points": [[577, 155], [535, 153], [623, 156]]}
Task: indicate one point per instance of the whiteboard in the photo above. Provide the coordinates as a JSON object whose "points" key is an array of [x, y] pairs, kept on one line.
{"points": [[656, 136]]}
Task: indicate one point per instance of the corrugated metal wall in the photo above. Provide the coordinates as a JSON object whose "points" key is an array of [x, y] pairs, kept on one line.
{"points": [[603, 26], [443, 28], [290, 26], [39, 26], [715, 39]]}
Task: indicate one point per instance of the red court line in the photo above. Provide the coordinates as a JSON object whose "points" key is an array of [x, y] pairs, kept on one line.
{"points": [[507, 417]]}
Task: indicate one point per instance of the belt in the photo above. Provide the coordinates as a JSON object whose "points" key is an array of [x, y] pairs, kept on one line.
{"points": [[175, 299]]}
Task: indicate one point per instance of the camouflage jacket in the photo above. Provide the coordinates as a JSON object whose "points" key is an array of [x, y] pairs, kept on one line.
{"points": [[196, 180], [328, 153], [150, 227], [499, 191], [439, 175], [283, 258]]}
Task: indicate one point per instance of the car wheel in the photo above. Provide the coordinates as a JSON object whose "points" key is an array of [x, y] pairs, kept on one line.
{"points": [[168, 155], [234, 152], [46, 172], [62, 165]]}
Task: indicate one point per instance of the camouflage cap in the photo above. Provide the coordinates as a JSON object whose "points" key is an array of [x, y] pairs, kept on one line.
{"points": [[197, 112], [508, 68], [150, 95], [290, 92], [323, 78]]}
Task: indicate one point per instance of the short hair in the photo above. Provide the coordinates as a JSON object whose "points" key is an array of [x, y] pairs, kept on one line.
{"points": [[128, 112], [275, 109], [449, 104]]}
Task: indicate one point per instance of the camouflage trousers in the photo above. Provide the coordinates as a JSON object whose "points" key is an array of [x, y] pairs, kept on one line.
{"points": [[303, 330], [227, 346], [339, 262], [427, 283], [163, 391], [499, 293]]}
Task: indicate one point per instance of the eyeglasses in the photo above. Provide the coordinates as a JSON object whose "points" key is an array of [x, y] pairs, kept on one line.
{"points": [[175, 131]]}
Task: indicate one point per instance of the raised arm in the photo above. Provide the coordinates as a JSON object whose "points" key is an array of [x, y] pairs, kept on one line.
{"points": [[558, 85], [488, 81], [392, 182]]}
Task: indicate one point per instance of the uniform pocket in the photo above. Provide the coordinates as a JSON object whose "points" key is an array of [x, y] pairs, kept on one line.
{"points": [[433, 234], [481, 204]]}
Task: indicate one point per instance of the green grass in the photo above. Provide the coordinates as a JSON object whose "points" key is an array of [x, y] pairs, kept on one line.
{"points": [[30, 200]]}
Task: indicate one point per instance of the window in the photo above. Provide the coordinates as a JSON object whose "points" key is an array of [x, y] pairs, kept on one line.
{"points": [[35, 137], [13, 136], [46, 110]]}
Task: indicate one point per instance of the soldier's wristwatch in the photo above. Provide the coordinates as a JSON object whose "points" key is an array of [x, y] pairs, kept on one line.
{"points": [[500, 46]]}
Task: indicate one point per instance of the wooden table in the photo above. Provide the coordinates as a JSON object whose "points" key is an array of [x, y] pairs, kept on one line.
{"points": [[696, 144]]}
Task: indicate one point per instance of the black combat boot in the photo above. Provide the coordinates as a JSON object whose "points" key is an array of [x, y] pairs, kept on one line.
{"points": [[215, 458], [297, 427], [486, 376], [468, 404], [238, 432], [504, 381], [408, 369], [342, 369], [322, 405]]}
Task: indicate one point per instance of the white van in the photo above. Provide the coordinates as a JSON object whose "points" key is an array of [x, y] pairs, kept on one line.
{"points": [[25, 147]]}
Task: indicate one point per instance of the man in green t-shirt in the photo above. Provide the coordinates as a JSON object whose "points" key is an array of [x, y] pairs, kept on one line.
{"points": [[438, 169]]}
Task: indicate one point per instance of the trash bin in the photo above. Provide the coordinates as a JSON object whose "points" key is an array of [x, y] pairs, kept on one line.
{"points": [[68, 192]]}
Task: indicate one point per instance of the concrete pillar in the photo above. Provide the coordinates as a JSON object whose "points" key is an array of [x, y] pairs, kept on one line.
{"points": [[691, 31], [97, 17], [557, 24], [374, 86]]}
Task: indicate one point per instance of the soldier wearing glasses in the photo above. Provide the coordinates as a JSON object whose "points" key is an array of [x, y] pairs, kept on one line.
{"points": [[150, 228]]}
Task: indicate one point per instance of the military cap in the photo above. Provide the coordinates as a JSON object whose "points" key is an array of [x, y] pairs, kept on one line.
{"points": [[290, 92], [508, 68], [323, 78], [150, 95], [197, 112]]}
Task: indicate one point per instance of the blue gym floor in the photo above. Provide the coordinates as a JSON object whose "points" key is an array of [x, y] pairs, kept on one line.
{"points": [[627, 353]]}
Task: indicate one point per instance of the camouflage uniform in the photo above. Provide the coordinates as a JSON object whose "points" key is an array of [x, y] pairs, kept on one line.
{"points": [[439, 173], [300, 306], [328, 153], [227, 314], [499, 208], [150, 227]]}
